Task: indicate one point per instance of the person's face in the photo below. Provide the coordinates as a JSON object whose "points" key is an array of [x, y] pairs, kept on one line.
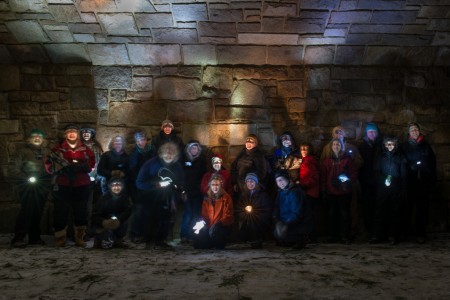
{"points": [[141, 142], [215, 186], [251, 184], [168, 154], [249, 144], [117, 145], [336, 147], [194, 150], [72, 135], [282, 182], [304, 151], [86, 136], [116, 188], [167, 129], [339, 134], [36, 139], [286, 141], [389, 145], [414, 132], [372, 134], [217, 165]]}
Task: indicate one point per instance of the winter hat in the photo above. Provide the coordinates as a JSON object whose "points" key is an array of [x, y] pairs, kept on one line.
{"points": [[282, 173], [216, 157], [116, 180], [336, 129], [253, 138], [87, 129], [391, 139], [371, 126], [37, 131], [140, 134], [71, 127], [251, 176], [413, 124], [167, 123]]}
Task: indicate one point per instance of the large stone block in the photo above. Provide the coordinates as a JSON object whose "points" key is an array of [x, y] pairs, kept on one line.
{"points": [[139, 95], [318, 79], [136, 113], [142, 83], [301, 26], [56, 106], [199, 54], [190, 12], [443, 56], [78, 116], [241, 113], [249, 55], [12, 81], [356, 85], [119, 24], [319, 55], [177, 88], [9, 126], [135, 6], [349, 55], [47, 123], [29, 53], [65, 13], [118, 95], [296, 105], [60, 36], [175, 35], [217, 29], [27, 31], [218, 77], [247, 93], [267, 72], [44, 97], [5, 56], [108, 54], [27, 6], [350, 17], [267, 39], [290, 88], [154, 20], [96, 6], [85, 28], [284, 55], [376, 28], [83, 98], [371, 103], [226, 15], [319, 4], [112, 77], [441, 39], [381, 4], [394, 17], [67, 53], [406, 40], [269, 24], [200, 111], [383, 56], [154, 54], [279, 9]]}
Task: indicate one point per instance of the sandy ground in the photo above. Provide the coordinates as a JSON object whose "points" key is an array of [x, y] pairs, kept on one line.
{"points": [[320, 271]]}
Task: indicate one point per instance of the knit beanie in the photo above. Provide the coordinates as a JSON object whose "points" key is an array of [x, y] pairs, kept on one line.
{"points": [[216, 157], [71, 127], [167, 123], [282, 173], [140, 135], [87, 129], [371, 126], [251, 176], [253, 138], [37, 131]]}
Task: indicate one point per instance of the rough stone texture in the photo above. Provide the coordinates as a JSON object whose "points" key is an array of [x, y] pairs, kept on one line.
{"points": [[154, 54], [83, 98], [12, 80], [219, 78], [319, 55], [118, 24], [9, 126], [27, 31], [108, 54], [251, 55], [247, 93], [285, 55], [136, 113], [112, 77], [191, 111], [189, 12], [67, 53], [177, 88], [199, 54]]}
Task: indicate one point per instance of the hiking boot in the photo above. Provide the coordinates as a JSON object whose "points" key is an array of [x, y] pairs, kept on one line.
{"points": [[79, 236]]}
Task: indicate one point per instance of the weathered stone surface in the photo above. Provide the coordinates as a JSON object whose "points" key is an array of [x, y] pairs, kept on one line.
{"points": [[241, 113], [85, 28], [88, 17], [67, 53], [118, 24], [83, 98], [29, 53], [5, 56], [284, 55], [218, 77], [137, 113], [376, 28], [47, 123], [175, 35], [108, 54], [406, 39], [356, 85], [247, 93], [310, 26], [394, 17], [225, 15], [383, 56], [318, 78], [303, 105], [319, 55], [199, 54], [349, 55], [290, 88], [322, 4], [112, 77], [141, 96], [217, 29], [154, 54], [12, 81], [24, 108], [267, 39], [144, 71], [84, 38], [264, 73], [270, 24], [45, 96], [251, 55], [78, 116], [27, 31], [65, 13], [191, 111], [24, 6], [142, 83], [190, 12], [176, 88], [59, 36], [154, 20], [249, 27], [381, 4], [366, 103], [279, 9], [443, 56], [118, 95], [56, 106], [9, 126], [134, 6], [351, 16], [441, 38], [4, 111]]}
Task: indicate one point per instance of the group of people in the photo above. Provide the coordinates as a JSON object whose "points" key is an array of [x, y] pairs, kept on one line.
{"points": [[114, 194]]}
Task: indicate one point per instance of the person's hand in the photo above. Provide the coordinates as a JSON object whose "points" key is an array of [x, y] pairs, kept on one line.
{"points": [[111, 224]]}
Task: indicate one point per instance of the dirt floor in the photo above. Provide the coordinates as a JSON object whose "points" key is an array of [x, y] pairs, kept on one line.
{"points": [[320, 271]]}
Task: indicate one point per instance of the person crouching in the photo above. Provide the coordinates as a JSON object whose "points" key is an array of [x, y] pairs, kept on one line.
{"points": [[217, 217], [110, 216]]}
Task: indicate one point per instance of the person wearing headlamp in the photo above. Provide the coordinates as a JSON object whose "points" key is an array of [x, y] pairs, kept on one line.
{"points": [[27, 170]]}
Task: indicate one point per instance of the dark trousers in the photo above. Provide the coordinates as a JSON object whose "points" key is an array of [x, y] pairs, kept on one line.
{"points": [[416, 209], [368, 207], [155, 219], [215, 238], [71, 199], [32, 198], [192, 210], [387, 212], [339, 216]]}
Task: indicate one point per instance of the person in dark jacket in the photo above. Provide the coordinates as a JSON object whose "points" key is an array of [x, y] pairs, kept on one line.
{"points": [[194, 167], [255, 212], [161, 180], [390, 180], [421, 179], [292, 213], [32, 182], [337, 173], [114, 163], [370, 147], [110, 216], [70, 162], [287, 156], [142, 152], [167, 134]]}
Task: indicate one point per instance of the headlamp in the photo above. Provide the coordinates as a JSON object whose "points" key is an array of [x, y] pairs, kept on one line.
{"points": [[198, 226], [248, 208], [32, 179]]}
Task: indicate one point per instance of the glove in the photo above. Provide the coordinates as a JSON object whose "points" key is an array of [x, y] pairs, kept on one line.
{"points": [[111, 224], [281, 230], [117, 173]]}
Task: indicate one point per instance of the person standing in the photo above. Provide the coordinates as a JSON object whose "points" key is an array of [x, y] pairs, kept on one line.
{"points": [[167, 134], [71, 162], [32, 182], [421, 179], [217, 169], [287, 156]]}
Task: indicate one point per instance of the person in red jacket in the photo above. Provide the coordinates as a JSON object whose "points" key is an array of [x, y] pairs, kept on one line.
{"points": [[217, 217], [70, 162], [337, 173], [217, 169]]}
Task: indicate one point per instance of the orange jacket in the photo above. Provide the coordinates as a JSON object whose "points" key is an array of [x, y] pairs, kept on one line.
{"points": [[221, 211]]}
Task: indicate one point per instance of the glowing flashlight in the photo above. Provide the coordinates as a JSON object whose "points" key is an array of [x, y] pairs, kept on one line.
{"points": [[419, 162], [343, 178], [248, 208], [113, 218], [198, 226], [32, 179]]}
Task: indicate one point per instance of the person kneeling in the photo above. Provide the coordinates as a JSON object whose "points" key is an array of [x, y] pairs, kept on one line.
{"points": [[217, 217], [110, 216]]}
